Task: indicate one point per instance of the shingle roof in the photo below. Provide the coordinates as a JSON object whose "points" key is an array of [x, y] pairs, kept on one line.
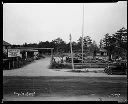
{"points": [[6, 43]]}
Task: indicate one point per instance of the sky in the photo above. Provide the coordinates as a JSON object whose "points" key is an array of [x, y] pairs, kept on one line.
{"points": [[35, 22]]}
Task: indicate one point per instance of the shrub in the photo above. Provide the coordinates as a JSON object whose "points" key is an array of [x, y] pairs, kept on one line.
{"points": [[56, 65]]}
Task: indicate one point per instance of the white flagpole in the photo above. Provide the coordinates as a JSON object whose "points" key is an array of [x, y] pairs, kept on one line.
{"points": [[82, 34], [71, 52]]}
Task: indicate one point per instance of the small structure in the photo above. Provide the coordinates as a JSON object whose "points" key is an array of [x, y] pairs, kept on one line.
{"points": [[6, 46], [27, 52], [102, 54]]}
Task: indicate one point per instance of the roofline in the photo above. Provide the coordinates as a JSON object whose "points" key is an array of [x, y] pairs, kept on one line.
{"points": [[7, 44]]}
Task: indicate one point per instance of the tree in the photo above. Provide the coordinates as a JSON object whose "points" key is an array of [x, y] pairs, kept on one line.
{"points": [[101, 43], [93, 49], [59, 44], [116, 44], [108, 44], [74, 45], [58, 40], [87, 41], [121, 42], [25, 44]]}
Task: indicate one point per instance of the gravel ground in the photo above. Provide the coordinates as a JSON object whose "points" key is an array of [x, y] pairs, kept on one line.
{"points": [[41, 68]]}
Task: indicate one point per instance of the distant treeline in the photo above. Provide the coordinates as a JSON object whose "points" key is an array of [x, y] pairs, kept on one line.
{"points": [[115, 44]]}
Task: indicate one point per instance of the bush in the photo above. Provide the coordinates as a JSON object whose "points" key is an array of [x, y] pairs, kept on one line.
{"points": [[56, 65]]}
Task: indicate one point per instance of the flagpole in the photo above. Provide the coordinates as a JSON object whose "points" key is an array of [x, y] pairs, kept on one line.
{"points": [[82, 34], [71, 52]]}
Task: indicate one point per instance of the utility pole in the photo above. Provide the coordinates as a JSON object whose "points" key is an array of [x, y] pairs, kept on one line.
{"points": [[71, 52], [82, 34]]}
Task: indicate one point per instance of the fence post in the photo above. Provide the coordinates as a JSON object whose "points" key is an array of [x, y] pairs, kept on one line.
{"points": [[26, 54], [9, 63], [13, 62], [17, 63]]}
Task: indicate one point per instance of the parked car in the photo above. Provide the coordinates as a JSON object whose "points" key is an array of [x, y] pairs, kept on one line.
{"points": [[117, 69]]}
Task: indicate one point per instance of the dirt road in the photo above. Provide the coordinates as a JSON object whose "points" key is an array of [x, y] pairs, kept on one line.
{"points": [[50, 84], [41, 68]]}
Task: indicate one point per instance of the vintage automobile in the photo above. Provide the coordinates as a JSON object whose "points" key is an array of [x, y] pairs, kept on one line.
{"points": [[119, 68]]}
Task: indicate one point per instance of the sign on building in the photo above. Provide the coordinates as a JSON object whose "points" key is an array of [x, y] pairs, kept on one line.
{"points": [[13, 52]]}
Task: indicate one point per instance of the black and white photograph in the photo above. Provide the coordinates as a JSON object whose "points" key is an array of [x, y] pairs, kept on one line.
{"points": [[65, 51]]}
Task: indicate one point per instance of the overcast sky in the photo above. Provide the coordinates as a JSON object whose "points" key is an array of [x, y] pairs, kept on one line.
{"points": [[34, 22]]}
